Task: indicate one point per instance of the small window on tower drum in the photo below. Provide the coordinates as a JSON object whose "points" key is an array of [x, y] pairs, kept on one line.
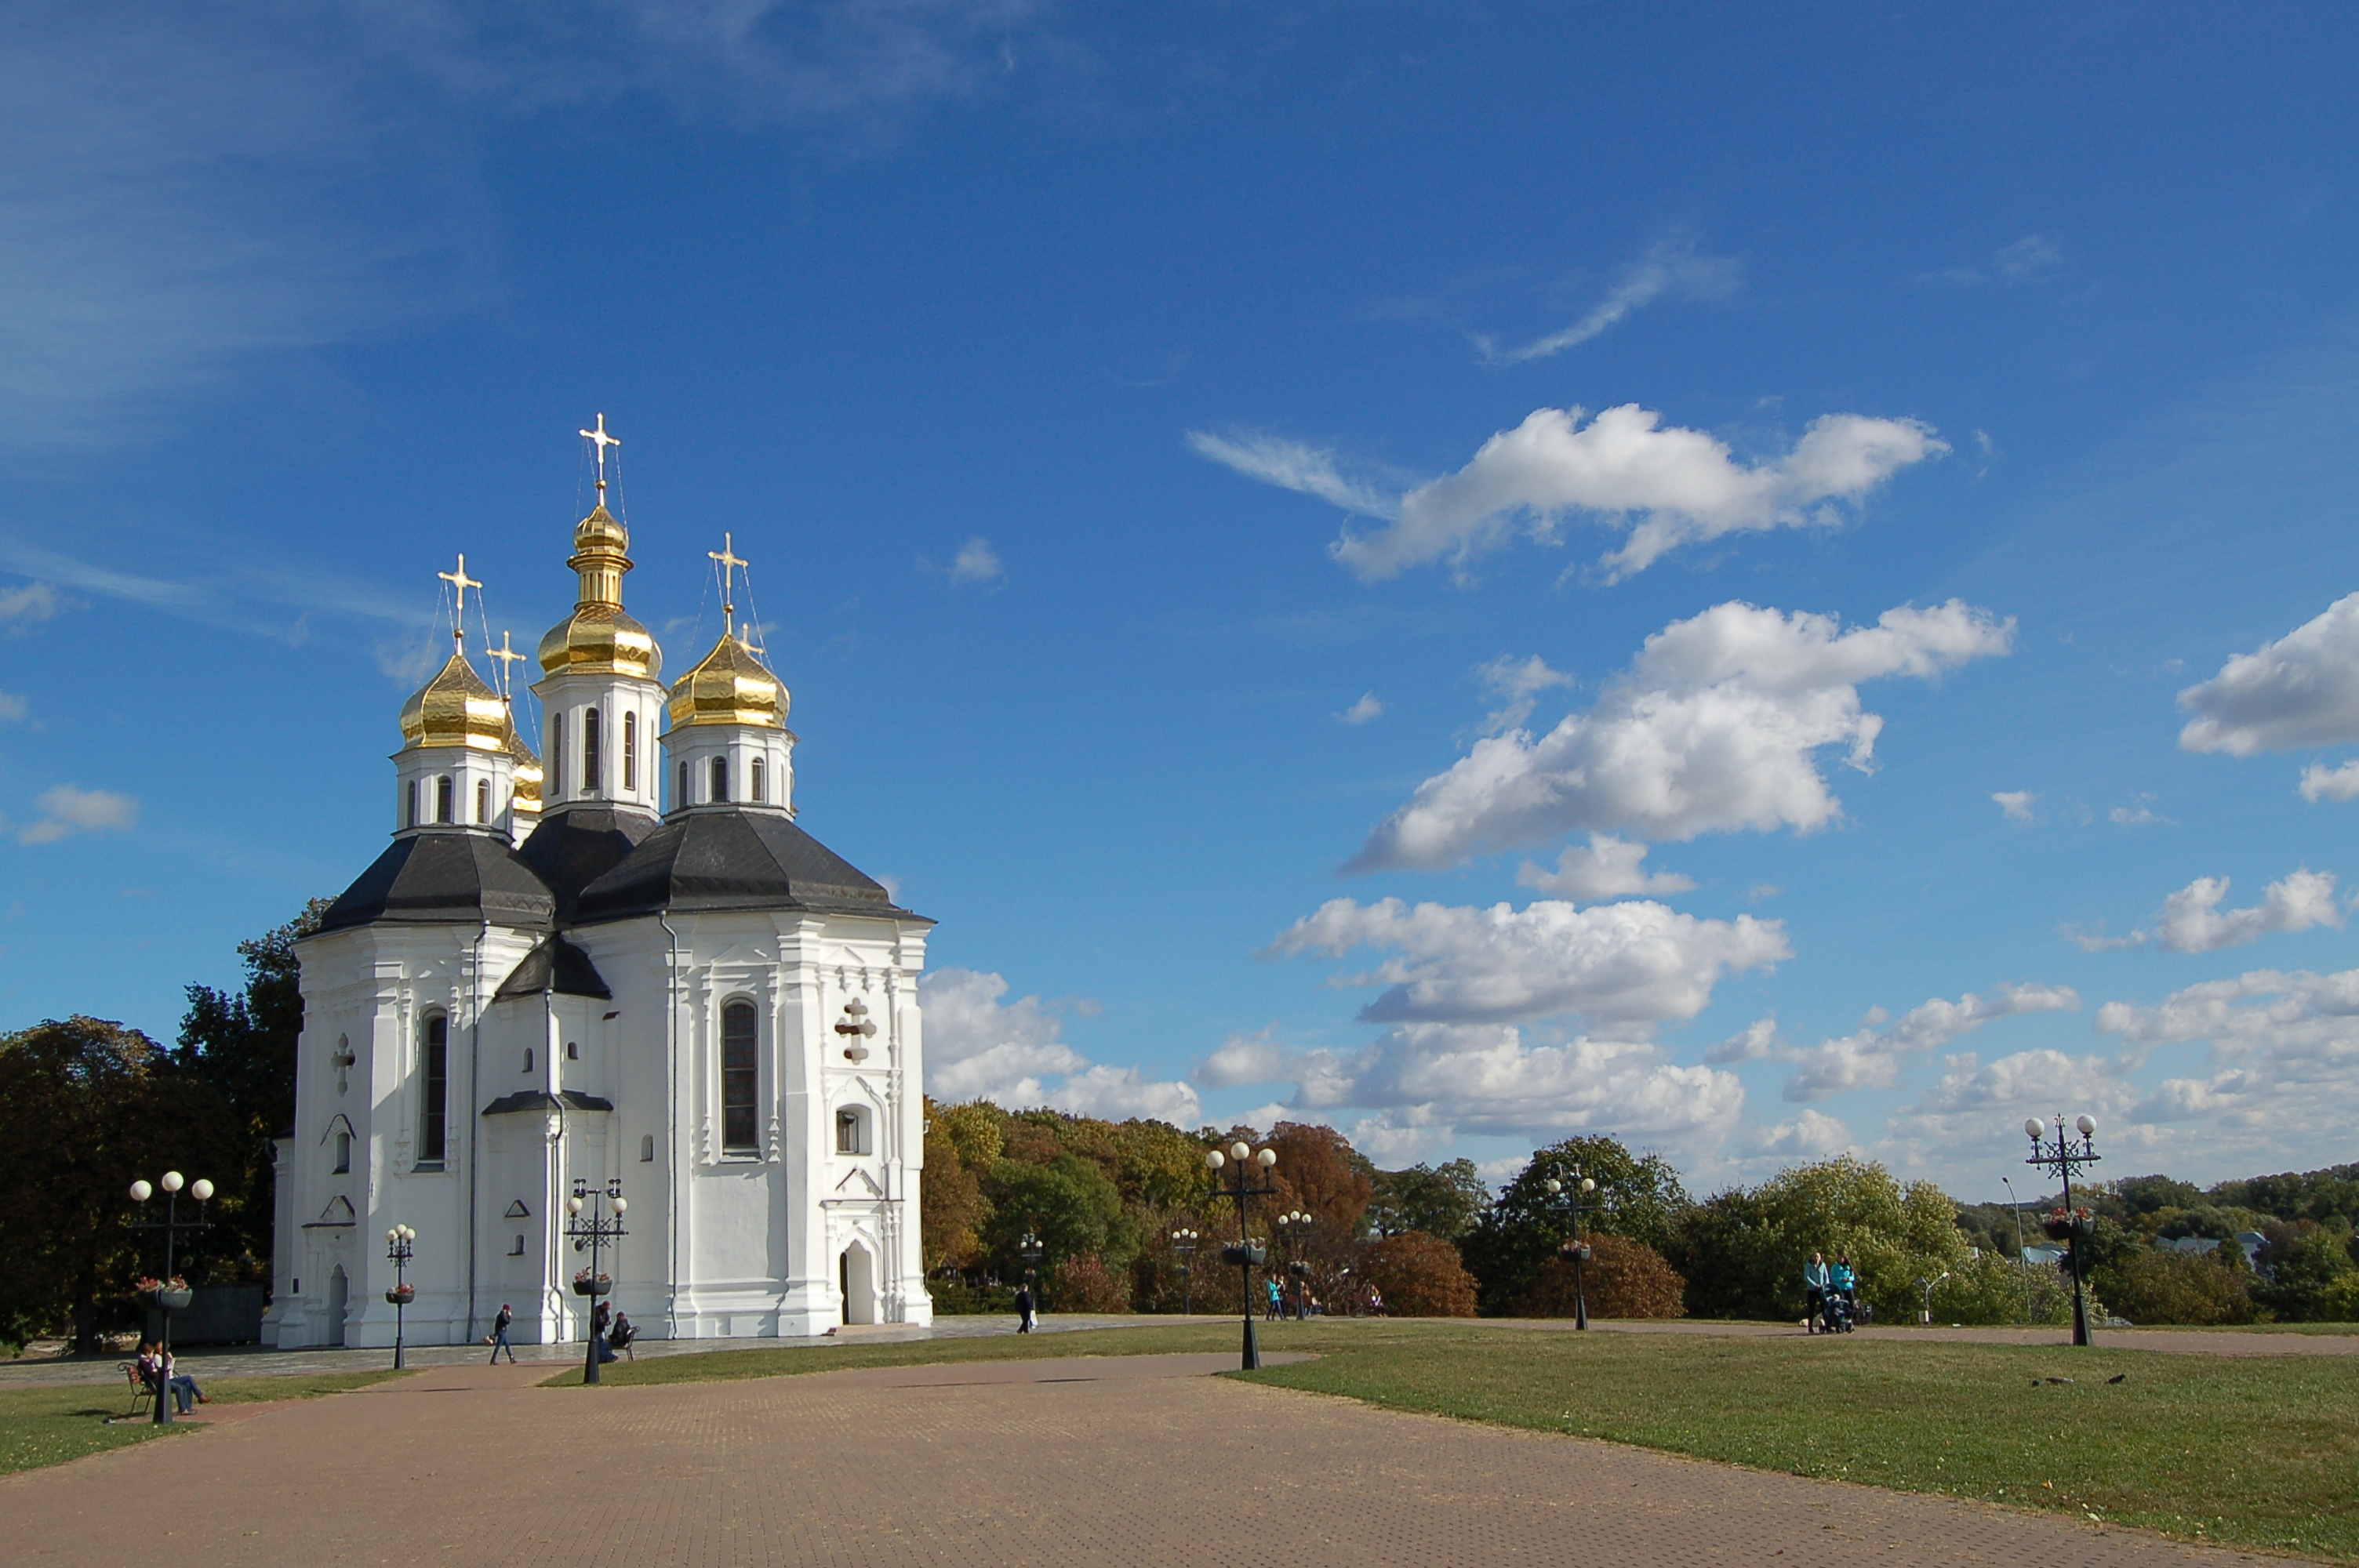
{"points": [[630, 751], [434, 1093], [413, 803], [590, 758], [740, 1074], [483, 801], [755, 782], [720, 778], [442, 791], [679, 796], [556, 750]]}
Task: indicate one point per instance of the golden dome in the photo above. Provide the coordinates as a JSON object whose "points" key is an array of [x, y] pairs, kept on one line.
{"points": [[597, 638], [731, 687], [456, 708]]}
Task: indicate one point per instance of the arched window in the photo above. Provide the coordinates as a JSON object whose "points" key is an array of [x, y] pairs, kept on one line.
{"points": [[850, 1131], [630, 751], [681, 796], [343, 1153], [442, 803], [483, 801], [753, 790], [528, 1058], [556, 750], [740, 1075], [646, 1147], [413, 804], [720, 779], [591, 782], [434, 1089]]}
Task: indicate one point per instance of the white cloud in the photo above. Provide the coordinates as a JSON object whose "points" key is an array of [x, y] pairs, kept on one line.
{"points": [[2031, 257], [1758, 1042], [67, 809], [1667, 269], [1516, 685], [28, 605], [1679, 485], [1243, 1059], [1809, 1135], [1871, 1058], [2017, 803], [1607, 867], [2300, 690], [1360, 712], [1631, 963], [13, 709], [2137, 815], [976, 562], [1715, 727], [979, 1046], [2192, 922], [1292, 465], [2319, 781]]}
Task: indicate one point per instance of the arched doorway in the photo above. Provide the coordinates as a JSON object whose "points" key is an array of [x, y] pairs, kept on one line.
{"points": [[856, 1273], [339, 1294]]}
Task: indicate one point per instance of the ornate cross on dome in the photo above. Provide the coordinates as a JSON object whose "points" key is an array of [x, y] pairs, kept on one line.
{"points": [[507, 656], [601, 440], [730, 561], [461, 582]]}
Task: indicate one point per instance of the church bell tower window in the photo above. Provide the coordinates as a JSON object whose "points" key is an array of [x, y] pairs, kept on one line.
{"points": [[442, 791], [590, 758], [754, 783], [720, 779], [483, 801], [433, 1119], [413, 804], [740, 1074], [556, 750], [630, 751]]}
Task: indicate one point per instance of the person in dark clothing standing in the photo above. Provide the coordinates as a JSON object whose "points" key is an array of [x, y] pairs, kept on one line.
{"points": [[1023, 1309], [500, 1335]]}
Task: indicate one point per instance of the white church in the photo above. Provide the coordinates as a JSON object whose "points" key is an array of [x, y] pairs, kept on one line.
{"points": [[626, 968]]}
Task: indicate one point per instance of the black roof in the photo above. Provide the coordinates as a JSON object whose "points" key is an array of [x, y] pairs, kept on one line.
{"points": [[542, 1099], [733, 859], [557, 966], [573, 848], [443, 878]]}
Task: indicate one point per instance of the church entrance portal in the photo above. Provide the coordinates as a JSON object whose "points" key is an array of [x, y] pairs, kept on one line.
{"points": [[339, 1294], [856, 1273]]}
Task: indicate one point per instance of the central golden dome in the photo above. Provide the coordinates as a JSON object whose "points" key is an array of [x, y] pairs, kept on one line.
{"points": [[730, 686], [456, 708], [597, 638]]}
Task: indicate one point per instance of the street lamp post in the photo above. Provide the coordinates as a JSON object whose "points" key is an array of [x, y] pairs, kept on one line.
{"points": [[2063, 1157], [397, 1251], [1576, 1249], [1926, 1286], [1248, 1254], [170, 1294], [1292, 1226], [1029, 1250], [593, 1231], [2023, 1264], [1183, 1242]]}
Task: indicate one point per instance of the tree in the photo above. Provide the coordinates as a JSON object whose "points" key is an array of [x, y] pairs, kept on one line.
{"points": [[1419, 1275], [1748, 1249], [1992, 1289], [1622, 1279], [950, 1207], [2147, 1284], [1441, 1201], [88, 1106], [1067, 1204], [1637, 1195], [242, 1045], [1086, 1284], [2311, 1276]]}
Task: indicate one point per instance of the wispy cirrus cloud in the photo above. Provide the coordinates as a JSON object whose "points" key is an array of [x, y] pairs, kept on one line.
{"points": [[1296, 466], [1670, 270]]}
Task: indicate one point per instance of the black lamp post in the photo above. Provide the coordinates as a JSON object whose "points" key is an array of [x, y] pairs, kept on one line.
{"points": [[1029, 1248], [1183, 1242], [1576, 1249], [591, 1230], [1248, 1254], [2067, 1224], [1292, 1226], [2023, 1264], [169, 1295], [396, 1251]]}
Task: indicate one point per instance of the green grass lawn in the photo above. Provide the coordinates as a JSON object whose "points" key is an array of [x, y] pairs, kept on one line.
{"points": [[2251, 1450], [50, 1426]]}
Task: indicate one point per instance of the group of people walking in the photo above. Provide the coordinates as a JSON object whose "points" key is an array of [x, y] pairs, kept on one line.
{"points": [[1833, 1294], [611, 1329]]}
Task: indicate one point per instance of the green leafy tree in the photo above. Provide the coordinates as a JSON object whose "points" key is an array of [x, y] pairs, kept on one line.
{"points": [[1749, 1251], [1993, 1290], [2312, 1278], [1440, 1200], [89, 1105], [2148, 1284], [1637, 1195], [1068, 1202]]}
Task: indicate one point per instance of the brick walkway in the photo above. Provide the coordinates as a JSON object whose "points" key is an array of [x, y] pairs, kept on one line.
{"points": [[1114, 1461]]}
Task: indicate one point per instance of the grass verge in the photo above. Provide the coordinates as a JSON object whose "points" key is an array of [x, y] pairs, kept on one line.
{"points": [[50, 1426], [724, 1366]]}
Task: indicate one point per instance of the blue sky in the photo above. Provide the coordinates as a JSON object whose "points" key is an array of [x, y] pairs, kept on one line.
{"points": [[1472, 572]]}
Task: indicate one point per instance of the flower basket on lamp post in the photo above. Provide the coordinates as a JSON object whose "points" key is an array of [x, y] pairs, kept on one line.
{"points": [[587, 1285], [401, 1295], [158, 1296], [2076, 1226]]}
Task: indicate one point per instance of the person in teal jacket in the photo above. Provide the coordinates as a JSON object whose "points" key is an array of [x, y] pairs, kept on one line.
{"points": [[1816, 1277], [1846, 1284]]}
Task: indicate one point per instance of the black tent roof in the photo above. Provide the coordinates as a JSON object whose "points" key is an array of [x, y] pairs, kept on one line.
{"points": [[733, 859], [557, 966], [444, 878], [574, 847]]}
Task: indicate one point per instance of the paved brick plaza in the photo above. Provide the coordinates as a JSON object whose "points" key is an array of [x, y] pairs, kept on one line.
{"points": [[1101, 1461]]}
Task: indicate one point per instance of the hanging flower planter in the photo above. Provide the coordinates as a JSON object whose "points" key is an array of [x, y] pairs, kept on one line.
{"points": [[1576, 1249], [158, 1296], [401, 1295], [2063, 1227], [584, 1284]]}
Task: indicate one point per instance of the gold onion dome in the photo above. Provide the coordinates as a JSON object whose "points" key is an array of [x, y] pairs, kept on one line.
{"points": [[456, 708], [597, 638], [731, 687]]}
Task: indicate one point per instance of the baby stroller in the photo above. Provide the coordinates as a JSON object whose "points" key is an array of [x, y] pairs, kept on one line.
{"points": [[1835, 1313]]}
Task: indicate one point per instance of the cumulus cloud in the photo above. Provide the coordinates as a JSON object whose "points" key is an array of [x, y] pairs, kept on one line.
{"points": [[2300, 690], [1293, 465], [1516, 685], [1628, 963], [1243, 1059], [1669, 269], [1360, 712], [2284, 1049], [1808, 1136], [1872, 1058], [1715, 727], [981, 1046], [1670, 487], [1607, 867], [67, 810], [2017, 803], [2192, 921], [976, 562], [2319, 781]]}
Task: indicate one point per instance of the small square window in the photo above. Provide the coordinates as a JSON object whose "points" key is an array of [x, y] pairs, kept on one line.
{"points": [[849, 1127]]}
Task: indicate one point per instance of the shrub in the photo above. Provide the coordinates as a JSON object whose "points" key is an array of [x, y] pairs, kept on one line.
{"points": [[1623, 1278], [2151, 1286], [1419, 1275], [1086, 1284], [1995, 1290]]}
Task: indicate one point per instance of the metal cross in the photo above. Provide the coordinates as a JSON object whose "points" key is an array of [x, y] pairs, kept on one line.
{"points": [[507, 656], [601, 440], [730, 561], [462, 582]]}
